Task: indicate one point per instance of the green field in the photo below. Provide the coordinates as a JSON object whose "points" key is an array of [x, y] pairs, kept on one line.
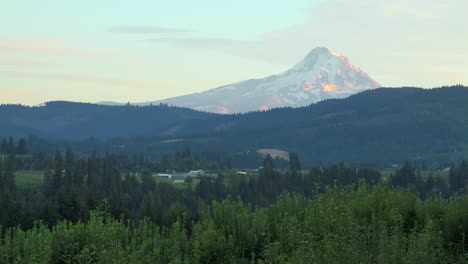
{"points": [[29, 179], [33, 179]]}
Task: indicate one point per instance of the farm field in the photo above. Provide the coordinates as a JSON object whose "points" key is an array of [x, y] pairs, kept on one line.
{"points": [[29, 179]]}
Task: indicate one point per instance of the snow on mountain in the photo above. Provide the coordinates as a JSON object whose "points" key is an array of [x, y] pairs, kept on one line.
{"points": [[322, 74]]}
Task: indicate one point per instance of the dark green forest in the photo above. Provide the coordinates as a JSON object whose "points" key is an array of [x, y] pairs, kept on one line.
{"points": [[111, 209], [383, 126]]}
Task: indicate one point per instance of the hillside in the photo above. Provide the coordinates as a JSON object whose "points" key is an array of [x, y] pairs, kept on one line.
{"points": [[75, 121], [382, 125]]}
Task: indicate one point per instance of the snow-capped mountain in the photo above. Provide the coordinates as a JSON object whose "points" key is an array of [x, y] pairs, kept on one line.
{"points": [[322, 74]]}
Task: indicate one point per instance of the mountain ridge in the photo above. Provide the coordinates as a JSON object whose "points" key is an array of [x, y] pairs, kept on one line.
{"points": [[321, 74], [387, 124]]}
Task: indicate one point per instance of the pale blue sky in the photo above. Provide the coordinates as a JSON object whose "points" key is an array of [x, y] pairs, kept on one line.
{"points": [[147, 50]]}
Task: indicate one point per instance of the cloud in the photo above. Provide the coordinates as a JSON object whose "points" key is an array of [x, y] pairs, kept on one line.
{"points": [[44, 46], [7, 61], [250, 49], [55, 47], [385, 38], [75, 78], [148, 30]]}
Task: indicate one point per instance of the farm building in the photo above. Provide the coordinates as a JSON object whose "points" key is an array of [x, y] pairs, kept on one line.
{"points": [[165, 175]]}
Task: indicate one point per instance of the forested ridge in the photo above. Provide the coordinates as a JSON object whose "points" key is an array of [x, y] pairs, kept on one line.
{"points": [[93, 209], [382, 126]]}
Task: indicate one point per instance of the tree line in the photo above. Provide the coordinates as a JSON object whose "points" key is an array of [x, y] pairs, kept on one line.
{"points": [[9, 146], [87, 194], [363, 224]]}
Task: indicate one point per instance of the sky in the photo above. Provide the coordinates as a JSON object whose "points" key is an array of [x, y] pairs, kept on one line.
{"points": [[147, 50]]}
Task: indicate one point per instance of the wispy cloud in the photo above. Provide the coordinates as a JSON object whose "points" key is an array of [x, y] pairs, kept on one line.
{"points": [[44, 46], [249, 49], [202, 42], [383, 37], [59, 48], [148, 30], [75, 78], [7, 61]]}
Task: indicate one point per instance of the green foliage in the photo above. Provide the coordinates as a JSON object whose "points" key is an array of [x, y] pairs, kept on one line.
{"points": [[343, 225], [86, 212]]}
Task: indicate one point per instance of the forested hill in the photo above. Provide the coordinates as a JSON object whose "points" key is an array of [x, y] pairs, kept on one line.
{"points": [[74, 121], [385, 124]]}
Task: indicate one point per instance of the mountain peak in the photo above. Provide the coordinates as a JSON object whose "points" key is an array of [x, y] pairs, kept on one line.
{"points": [[319, 56], [324, 51], [321, 50], [322, 74]]}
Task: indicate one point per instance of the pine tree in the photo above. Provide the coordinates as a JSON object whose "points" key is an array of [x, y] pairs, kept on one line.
{"points": [[453, 178], [148, 183], [11, 146], [463, 176], [430, 184], [4, 147], [92, 173], [151, 207], [68, 167], [294, 164], [22, 147], [268, 169], [58, 173], [405, 176], [7, 177]]}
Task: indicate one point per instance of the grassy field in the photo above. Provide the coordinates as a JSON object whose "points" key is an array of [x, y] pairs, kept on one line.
{"points": [[29, 179]]}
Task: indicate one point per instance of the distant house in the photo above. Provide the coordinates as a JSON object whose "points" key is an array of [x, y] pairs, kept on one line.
{"points": [[196, 172], [242, 172], [165, 175]]}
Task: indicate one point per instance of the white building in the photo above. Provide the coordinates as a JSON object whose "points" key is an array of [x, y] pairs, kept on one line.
{"points": [[165, 175]]}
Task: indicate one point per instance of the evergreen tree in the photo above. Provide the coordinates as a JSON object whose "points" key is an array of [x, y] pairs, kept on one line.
{"points": [[11, 146], [69, 159], [268, 168], [430, 184], [92, 179], [148, 183], [79, 172], [68, 167], [462, 177], [453, 178], [405, 176], [22, 148], [58, 173], [294, 164], [151, 207], [7, 176], [4, 147], [165, 162]]}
